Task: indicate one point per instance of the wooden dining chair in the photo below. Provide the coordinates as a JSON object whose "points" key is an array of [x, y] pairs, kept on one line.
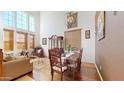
{"points": [[56, 62], [75, 65], [80, 58]]}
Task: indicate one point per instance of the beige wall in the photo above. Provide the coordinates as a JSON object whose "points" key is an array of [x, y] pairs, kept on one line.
{"points": [[110, 51]]}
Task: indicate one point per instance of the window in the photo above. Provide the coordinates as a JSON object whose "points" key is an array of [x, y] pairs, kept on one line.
{"points": [[31, 24], [22, 20], [19, 21], [8, 18], [21, 40], [8, 40], [31, 41]]}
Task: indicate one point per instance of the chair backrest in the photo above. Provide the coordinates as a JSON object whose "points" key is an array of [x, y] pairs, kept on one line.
{"points": [[55, 57], [77, 49], [81, 51], [60, 50]]}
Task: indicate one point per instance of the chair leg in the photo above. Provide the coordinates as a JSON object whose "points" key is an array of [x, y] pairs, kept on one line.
{"points": [[79, 67], [52, 73], [73, 73], [61, 76]]}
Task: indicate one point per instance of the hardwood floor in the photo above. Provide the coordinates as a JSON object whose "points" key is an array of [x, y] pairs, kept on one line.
{"points": [[88, 72]]}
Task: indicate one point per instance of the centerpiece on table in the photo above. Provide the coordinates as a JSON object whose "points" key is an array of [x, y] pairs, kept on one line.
{"points": [[68, 48]]}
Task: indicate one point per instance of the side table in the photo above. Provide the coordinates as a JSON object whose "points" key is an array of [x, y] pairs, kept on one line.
{"points": [[37, 66]]}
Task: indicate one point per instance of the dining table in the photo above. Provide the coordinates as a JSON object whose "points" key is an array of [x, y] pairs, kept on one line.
{"points": [[71, 59]]}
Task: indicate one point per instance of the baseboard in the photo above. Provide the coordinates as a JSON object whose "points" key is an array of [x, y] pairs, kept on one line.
{"points": [[98, 72], [88, 62]]}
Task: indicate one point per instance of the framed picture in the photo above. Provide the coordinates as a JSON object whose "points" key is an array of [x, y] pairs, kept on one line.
{"points": [[71, 20], [87, 34], [100, 25], [44, 41]]}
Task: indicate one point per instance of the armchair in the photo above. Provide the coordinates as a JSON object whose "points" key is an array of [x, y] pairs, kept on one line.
{"points": [[38, 51]]}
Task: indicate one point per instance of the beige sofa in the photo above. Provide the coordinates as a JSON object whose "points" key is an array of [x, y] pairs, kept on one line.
{"points": [[15, 68]]}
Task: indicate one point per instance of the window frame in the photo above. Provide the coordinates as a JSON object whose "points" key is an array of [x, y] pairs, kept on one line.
{"points": [[26, 40], [21, 21], [11, 41], [33, 41], [17, 30], [5, 19], [31, 24]]}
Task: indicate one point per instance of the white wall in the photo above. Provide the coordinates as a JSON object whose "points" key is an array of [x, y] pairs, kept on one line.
{"points": [[86, 20], [52, 23], [55, 23], [36, 14]]}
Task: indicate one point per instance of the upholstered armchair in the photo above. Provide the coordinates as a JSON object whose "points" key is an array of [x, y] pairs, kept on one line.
{"points": [[38, 51]]}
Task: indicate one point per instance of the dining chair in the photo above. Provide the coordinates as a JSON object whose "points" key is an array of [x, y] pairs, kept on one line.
{"points": [[56, 62], [75, 65], [80, 58]]}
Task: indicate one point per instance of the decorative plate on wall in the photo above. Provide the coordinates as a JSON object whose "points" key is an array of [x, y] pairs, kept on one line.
{"points": [[71, 20]]}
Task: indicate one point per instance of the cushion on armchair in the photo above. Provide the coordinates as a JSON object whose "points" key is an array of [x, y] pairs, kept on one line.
{"points": [[38, 51]]}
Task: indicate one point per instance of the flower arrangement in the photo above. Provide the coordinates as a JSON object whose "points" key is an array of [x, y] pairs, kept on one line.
{"points": [[68, 48]]}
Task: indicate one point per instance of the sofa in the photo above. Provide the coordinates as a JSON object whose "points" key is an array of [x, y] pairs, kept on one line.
{"points": [[16, 68]]}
